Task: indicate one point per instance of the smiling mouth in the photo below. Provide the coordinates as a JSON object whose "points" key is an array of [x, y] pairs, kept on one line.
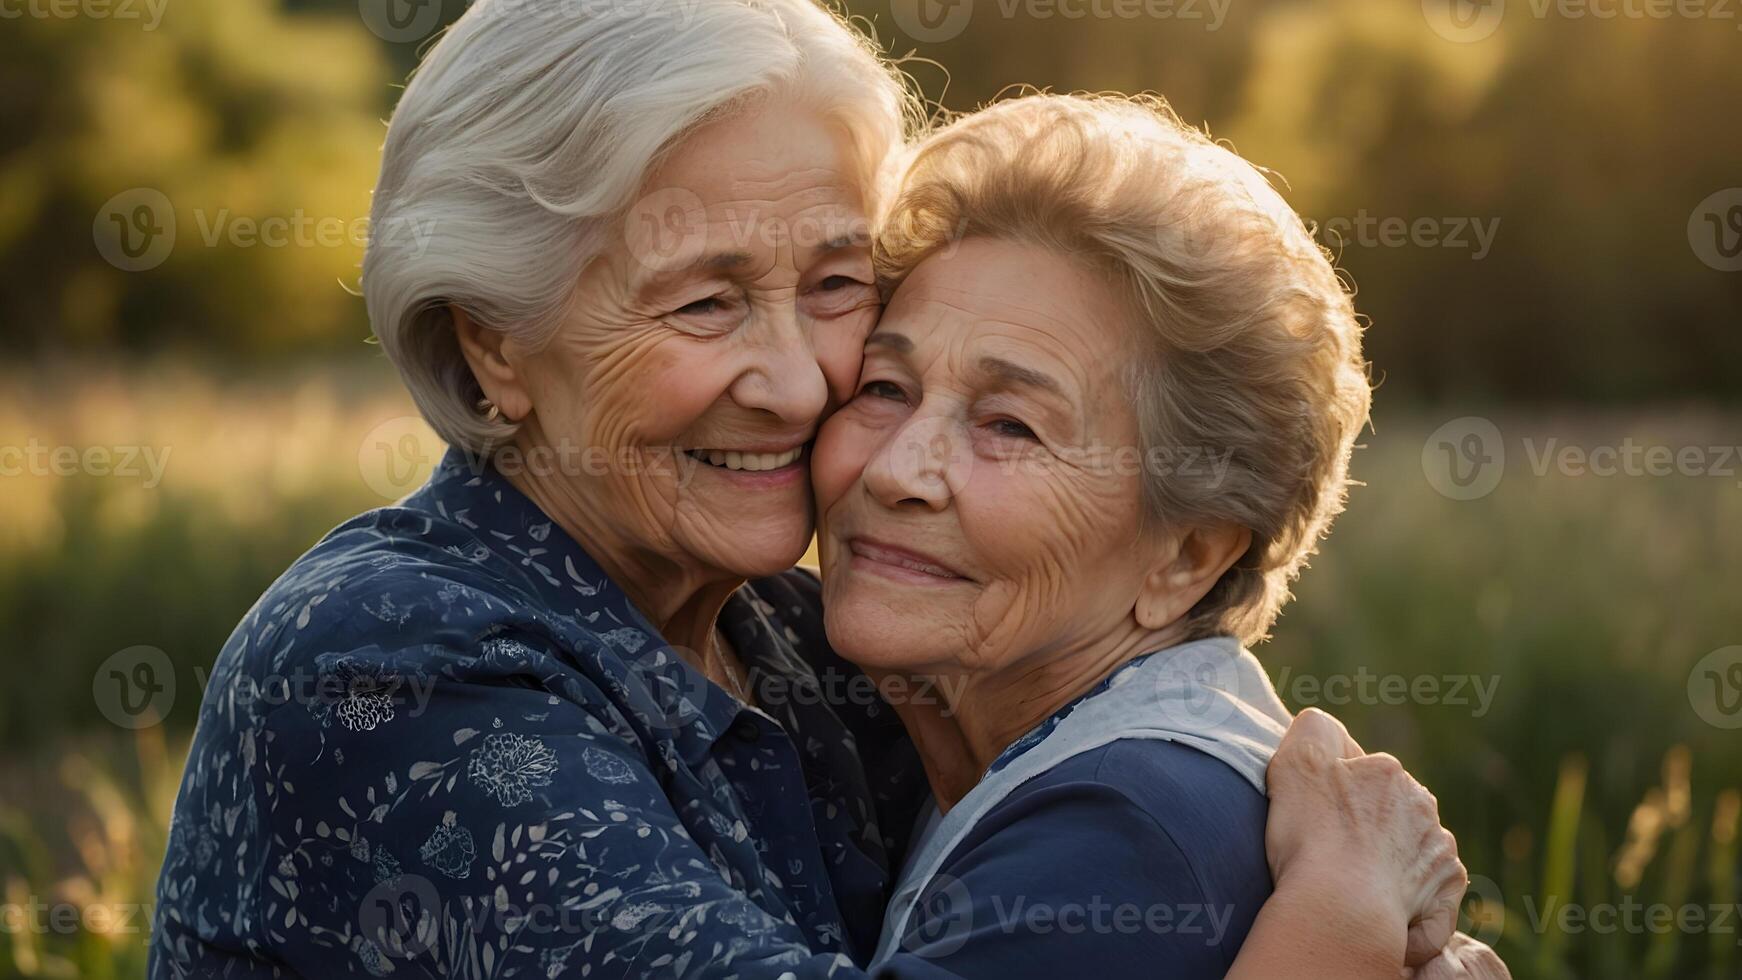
{"points": [[911, 562], [732, 459]]}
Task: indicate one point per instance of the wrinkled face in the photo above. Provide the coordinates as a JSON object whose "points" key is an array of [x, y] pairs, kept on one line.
{"points": [[970, 516], [707, 342]]}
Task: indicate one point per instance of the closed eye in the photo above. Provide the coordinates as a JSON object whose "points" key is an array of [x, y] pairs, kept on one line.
{"points": [[700, 307], [883, 389], [839, 295]]}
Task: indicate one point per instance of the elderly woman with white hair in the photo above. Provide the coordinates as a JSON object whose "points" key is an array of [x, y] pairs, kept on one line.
{"points": [[567, 710]]}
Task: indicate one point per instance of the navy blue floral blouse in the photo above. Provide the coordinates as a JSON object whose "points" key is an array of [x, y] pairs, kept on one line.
{"points": [[444, 743]]}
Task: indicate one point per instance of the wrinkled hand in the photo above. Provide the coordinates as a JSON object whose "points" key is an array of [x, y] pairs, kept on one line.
{"points": [[1463, 959], [1370, 832]]}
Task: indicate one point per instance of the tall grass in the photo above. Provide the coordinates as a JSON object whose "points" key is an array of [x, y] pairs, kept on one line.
{"points": [[82, 834], [1585, 786]]}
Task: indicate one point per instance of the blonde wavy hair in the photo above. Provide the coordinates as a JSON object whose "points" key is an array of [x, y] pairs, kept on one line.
{"points": [[1245, 340]]}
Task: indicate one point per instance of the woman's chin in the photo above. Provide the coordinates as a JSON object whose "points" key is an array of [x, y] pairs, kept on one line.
{"points": [[870, 637], [761, 556]]}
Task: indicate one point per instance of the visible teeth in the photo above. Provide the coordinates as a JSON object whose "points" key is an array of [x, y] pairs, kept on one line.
{"points": [[752, 462]]}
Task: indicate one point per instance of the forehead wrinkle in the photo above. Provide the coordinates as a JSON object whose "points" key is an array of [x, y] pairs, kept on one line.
{"points": [[808, 176], [1015, 328], [783, 197]]}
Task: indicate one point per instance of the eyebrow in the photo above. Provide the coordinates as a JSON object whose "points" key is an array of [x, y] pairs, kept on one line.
{"points": [[662, 279], [896, 342], [838, 243], [1008, 372], [845, 241], [726, 260], [1012, 373]]}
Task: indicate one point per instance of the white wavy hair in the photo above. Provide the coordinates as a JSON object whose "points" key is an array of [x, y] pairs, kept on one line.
{"points": [[525, 134]]}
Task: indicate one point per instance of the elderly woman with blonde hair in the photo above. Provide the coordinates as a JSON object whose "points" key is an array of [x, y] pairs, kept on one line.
{"points": [[1089, 302], [568, 710]]}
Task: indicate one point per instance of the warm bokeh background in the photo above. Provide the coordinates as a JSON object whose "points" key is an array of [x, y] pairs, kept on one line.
{"points": [[1542, 211]]}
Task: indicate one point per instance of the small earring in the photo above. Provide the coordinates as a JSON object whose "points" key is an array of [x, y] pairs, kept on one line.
{"points": [[491, 412]]}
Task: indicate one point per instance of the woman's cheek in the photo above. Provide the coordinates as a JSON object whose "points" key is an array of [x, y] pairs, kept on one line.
{"points": [[674, 389], [840, 347], [1013, 515], [843, 447]]}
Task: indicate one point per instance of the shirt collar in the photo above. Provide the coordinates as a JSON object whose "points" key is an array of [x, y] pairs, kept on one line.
{"points": [[467, 489]]}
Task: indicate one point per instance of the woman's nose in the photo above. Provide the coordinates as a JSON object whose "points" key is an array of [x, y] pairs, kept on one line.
{"points": [[785, 379], [926, 461]]}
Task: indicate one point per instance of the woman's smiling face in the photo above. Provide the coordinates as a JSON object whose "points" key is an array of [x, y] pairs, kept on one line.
{"points": [[970, 514], [704, 346]]}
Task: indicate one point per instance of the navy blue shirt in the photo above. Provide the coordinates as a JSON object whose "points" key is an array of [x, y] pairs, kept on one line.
{"points": [[444, 743], [1141, 858]]}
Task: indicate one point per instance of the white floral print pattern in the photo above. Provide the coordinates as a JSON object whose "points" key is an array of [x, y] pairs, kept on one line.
{"points": [[503, 771], [511, 766]]}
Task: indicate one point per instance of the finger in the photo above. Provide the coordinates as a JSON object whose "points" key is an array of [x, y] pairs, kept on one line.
{"points": [[1463, 959], [1478, 961], [1443, 967], [1436, 924], [1446, 964], [1429, 934], [1315, 738]]}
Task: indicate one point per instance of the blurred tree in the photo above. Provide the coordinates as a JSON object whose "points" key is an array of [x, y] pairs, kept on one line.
{"points": [[1590, 143], [1581, 145], [260, 129]]}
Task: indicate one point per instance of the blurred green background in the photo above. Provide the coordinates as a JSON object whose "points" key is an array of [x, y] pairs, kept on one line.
{"points": [[1541, 208]]}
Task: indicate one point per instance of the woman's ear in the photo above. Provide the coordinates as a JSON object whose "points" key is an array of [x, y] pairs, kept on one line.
{"points": [[1191, 564], [490, 353]]}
